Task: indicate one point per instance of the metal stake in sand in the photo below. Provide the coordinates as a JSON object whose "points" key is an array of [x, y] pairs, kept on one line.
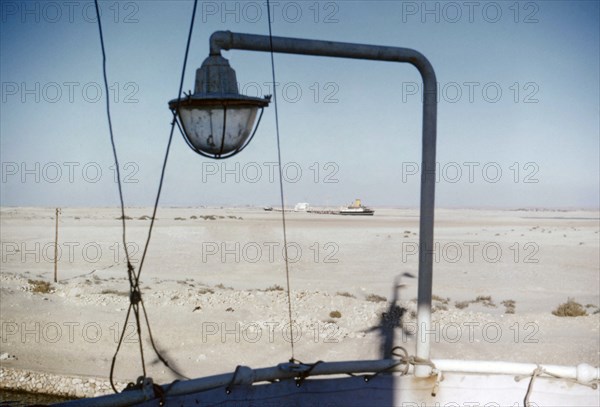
{"points": [[56, 247]]}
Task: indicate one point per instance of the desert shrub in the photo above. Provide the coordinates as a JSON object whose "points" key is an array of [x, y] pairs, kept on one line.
{"points": [[440, 299], [510, 306], [275, 287], [375, 298], [571, 308], [345, 294], [461, 304], [335, 314], [114, 292], [486, 300], [205, 290], [40, 286], [439, 307]]}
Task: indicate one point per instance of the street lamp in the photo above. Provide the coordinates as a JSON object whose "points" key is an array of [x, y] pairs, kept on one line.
{"points": [[205, 118], [217, 120]]}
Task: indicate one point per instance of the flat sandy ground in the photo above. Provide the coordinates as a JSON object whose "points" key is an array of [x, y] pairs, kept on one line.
{"points": [[212, 287]]}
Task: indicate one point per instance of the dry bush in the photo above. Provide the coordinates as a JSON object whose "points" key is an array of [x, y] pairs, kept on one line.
{"points": [[335, 314], [40, 286], [275, 287], [375, 298], [486, 300], [205, 290], [114, 292], [570, 309], [345, 294], [510, 306], [461, 304], [440, 299], [439, 307]]}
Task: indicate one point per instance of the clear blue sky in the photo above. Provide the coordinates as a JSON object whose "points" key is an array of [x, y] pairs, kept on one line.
{"points": [[518, 118]]}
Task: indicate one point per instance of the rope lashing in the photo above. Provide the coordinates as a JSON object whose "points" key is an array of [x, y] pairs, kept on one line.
{"points": [[405, 359], [539, 371], [304, 375]]}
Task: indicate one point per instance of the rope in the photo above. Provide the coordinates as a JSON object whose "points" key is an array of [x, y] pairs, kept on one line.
{"points": [[130, 269], [112, 138], [304, 375], [404, 359], [538, 371], [135, 295], [285, 246]]}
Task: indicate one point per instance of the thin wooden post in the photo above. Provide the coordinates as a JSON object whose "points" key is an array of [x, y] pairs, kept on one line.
{"points": [[56, 247]]}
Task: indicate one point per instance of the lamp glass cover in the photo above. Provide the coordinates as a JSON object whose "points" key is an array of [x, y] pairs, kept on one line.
{"points": [[204, 127]]}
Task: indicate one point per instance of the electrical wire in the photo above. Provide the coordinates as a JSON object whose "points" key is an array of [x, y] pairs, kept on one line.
{"points": [[281, 195], [135, 295]]}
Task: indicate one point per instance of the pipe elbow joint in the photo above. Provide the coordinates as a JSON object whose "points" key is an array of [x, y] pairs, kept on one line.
{"points": [[220, 40]]}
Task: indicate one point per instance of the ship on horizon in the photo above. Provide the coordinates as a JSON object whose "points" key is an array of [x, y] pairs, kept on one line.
{"points": [[357, 208]]}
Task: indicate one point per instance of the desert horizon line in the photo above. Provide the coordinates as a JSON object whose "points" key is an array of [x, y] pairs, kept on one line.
{"points": [[261, 206]]}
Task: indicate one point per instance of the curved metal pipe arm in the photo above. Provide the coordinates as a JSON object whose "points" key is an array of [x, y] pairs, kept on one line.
{"points": [[227, 40]]}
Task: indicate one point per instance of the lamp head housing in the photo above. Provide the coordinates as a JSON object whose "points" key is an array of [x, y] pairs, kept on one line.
{"points": [[217, 120]]}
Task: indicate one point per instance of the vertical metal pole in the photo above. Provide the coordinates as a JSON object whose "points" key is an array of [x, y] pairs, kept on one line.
{"points": [[56, 247], [426, 223]]}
